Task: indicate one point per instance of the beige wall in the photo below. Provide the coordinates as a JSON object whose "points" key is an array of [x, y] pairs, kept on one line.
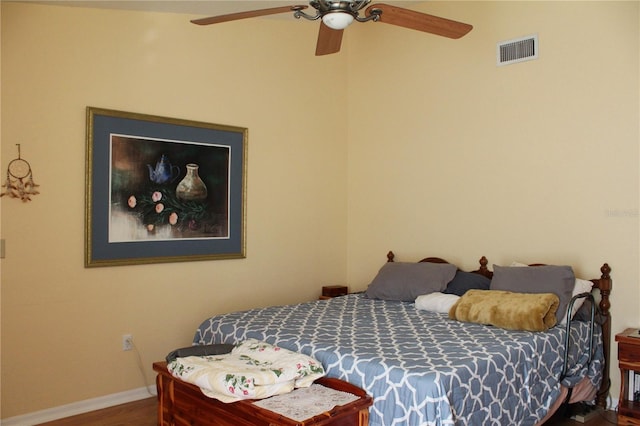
{"points": [[453, 156], [62, 323], [403, 141]]}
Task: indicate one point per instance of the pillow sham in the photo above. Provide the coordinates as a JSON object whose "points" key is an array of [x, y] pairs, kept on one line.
{"points": [[406, 281], [465, 281], [581, 286], [559, 280], [436, 302]]}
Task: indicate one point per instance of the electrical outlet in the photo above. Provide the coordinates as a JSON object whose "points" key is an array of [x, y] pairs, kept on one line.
{"points": [[127, 342]]}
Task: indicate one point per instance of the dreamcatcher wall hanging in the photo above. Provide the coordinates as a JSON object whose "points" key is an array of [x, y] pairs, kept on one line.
{"points": [[19, 183]]}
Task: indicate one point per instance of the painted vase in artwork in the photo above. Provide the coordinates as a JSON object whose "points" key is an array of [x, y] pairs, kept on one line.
{"points": [[191, 188]]}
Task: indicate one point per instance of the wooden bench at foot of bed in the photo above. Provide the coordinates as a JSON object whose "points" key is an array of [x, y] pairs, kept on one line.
{"points": [[181, 404]]}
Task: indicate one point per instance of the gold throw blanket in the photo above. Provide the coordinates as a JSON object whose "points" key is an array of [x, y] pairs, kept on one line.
{"points": [[505, 309]]}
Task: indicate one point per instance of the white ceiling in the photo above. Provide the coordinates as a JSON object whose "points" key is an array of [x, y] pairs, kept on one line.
{"points": [[194, 7]]}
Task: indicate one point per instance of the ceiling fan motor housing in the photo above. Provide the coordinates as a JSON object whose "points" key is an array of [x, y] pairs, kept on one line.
{"points": [[347, 6]]}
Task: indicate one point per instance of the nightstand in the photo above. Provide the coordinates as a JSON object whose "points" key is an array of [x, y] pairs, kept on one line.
{"points": [[330, 291], [628, 361]]}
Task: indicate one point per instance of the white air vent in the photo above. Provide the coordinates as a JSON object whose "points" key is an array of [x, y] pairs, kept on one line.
{"points": [[518, 50]]}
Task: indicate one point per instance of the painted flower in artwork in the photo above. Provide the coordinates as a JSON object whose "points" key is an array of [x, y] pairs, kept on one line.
{"points": [[173, 218], [132, 201], [161, 206]]}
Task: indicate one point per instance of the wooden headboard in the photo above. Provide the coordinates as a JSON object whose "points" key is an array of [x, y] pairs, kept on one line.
{"points": [[602, 284]]}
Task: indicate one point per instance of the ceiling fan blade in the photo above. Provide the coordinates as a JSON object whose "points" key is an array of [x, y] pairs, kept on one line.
{"points": [[414, 20], [248, 14], [329, 40]]}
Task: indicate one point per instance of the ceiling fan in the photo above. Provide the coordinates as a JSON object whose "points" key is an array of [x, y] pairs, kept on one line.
{"points": [[336, 15]]}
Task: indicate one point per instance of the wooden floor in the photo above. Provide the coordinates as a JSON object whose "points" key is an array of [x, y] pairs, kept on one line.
{"points": [[143, 413], [138, 413]]}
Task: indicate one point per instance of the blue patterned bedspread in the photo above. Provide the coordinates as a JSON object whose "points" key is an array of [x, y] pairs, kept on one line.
{"points": [[420, 367]]}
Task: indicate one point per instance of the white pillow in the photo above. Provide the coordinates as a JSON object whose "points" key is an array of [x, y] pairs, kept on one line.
{"points": [[581, 286], [436, 302]]}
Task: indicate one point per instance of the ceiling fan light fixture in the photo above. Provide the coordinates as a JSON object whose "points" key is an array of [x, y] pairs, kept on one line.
{"points": [[337, 20]]}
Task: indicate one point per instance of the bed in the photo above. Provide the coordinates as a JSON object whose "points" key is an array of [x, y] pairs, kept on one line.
{"points": [[424, 368]]}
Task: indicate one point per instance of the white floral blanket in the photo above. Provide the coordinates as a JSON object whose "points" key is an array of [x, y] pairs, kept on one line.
{"points": [[253, 370]]}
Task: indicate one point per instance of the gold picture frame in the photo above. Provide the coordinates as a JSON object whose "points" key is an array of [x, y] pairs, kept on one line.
{"points": [[162, 189]]}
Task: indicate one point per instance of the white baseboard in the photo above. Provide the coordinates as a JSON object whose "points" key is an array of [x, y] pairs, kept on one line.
{"points": [[80, 407]]}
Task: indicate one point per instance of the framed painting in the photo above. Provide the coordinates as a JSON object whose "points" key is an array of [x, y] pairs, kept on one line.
{"points": [[162, 189]]}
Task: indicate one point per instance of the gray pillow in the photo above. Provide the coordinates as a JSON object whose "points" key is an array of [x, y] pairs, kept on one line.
{"points": [[465, 281], [559, 280], [406, 281]]}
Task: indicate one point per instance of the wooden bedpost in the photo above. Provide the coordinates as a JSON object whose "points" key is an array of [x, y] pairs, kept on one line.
{"points": [[604, 284], [483, 268], [390, 256]]}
